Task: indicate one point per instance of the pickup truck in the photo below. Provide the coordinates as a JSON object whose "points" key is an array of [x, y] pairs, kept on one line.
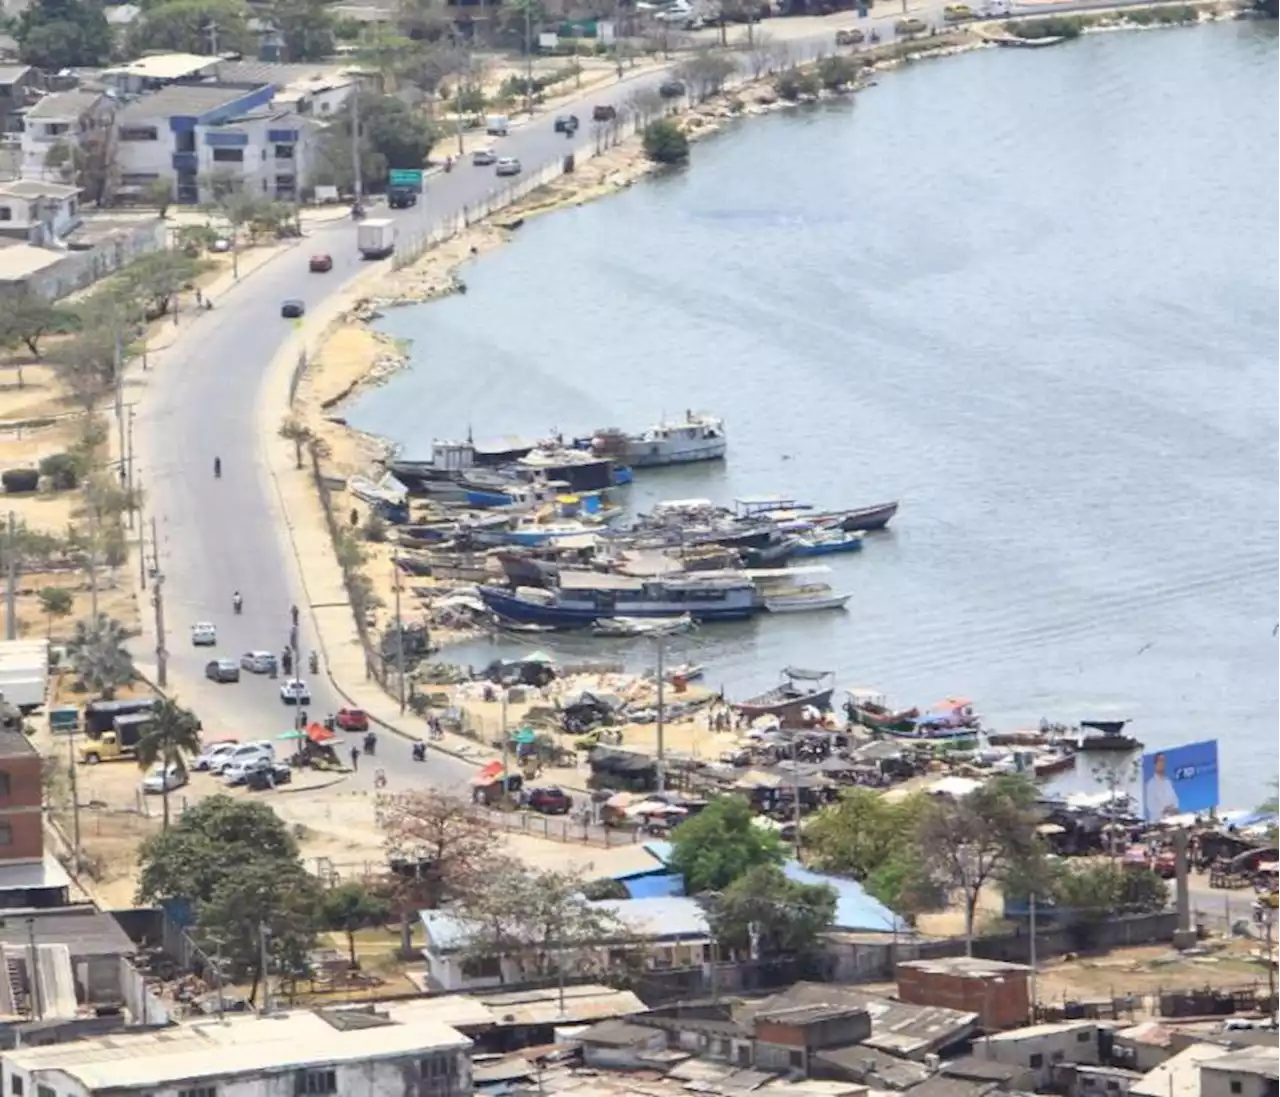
{"points": [[120, 742]]}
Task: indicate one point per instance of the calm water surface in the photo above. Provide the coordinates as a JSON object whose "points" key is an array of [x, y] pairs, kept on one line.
{"points": [[1031, 294]]}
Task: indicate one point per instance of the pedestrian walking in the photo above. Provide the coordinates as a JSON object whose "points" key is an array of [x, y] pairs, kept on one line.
{"points": [[355, 759]]}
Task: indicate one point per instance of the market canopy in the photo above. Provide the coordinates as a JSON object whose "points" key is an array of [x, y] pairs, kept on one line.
{"points": [[320, 735]]}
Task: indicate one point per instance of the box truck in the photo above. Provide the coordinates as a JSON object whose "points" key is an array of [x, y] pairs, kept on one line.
{"points": [[376, 238]]}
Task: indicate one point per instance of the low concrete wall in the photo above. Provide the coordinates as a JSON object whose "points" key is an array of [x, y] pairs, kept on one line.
{"points": [[78, 269]]}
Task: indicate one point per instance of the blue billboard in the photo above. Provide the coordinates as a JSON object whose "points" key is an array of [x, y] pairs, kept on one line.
{"points": [[1180, 779]]}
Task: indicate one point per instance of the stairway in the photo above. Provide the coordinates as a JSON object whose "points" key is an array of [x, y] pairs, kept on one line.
{"points": [[16, 974]]}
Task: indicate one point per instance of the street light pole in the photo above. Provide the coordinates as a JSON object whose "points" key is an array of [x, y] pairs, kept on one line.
{"points": [[662, 712]]}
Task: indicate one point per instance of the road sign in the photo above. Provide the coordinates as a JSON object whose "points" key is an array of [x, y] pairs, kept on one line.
{"points": [[408, 178]]}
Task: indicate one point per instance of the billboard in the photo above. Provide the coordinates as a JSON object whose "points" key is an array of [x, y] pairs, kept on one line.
{"points": [[1180, 779], [405, 178]]}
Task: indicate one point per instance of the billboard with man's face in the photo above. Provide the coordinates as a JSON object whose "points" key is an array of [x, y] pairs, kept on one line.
{"points": [[1180, 779]]}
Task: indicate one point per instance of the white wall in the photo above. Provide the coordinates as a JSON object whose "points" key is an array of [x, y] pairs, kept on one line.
{"points": [[139, 161], [23, 213]]}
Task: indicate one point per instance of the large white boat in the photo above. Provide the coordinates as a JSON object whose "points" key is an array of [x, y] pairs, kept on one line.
{"points": [[696, 437]]}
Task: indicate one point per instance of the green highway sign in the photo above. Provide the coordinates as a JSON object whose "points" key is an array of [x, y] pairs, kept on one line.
{"points": [[408, 178]]}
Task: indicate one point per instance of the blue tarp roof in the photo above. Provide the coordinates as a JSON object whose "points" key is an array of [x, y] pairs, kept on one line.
{"points": [[654, 885]]}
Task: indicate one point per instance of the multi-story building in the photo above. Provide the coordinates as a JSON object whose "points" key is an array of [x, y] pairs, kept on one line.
{"points": [[19, 85], [67, 118], [266, 152], [309, 1054], [21, 798]]}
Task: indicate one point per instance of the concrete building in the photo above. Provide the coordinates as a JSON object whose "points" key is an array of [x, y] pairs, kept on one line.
{"points": [[19, 87], [159, 137], [308, 1053], [159, 70], [71, 118], [1179, 1076], [316, 90], [620, 1045], [787, 1037], [21, 798], [1039, 1048], [38, 212], [996, 991], [1249, 1072]]}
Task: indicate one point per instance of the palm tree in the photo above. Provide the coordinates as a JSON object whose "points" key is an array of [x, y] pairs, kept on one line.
{"points": [[172, 732], [297, 432], [99, 657]]}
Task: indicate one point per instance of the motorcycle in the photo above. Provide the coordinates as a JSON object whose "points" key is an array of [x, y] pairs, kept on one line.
{"points": [[217, 468], [419, 751], [237, 604], [357, 213]]}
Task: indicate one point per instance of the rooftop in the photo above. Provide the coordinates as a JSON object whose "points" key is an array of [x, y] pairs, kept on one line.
{"points": [[618, 1034], [942, 1086], [885, 1069], [661, 917], [181, 100], [1148, 1033], [165, 66], [234, 1045], [21, 261], [965, 965], [85, 931], [11, 74], [280, 75], [13, 744], [1179, 1076], [1035, 1031], [35, 188], [64, 104], [586, 1002], [1250, 1060]]}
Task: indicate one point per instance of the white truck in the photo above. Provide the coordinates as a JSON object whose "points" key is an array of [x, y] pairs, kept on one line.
{"points": [[376, 238]]}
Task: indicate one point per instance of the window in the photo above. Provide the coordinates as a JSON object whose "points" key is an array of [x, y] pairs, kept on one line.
{"points": [[482, 967], [1084, 1037], [139, 133], [55, 129], [1237, 1087], [796, 1059], [6, 834], [284, 152], [6, 214], [15, 1087], [199, 1091], [1057, 1056], [45, 1091], [4, 783], [228, 156], [308, 1082], [439, 1066], [1036, 1061]]}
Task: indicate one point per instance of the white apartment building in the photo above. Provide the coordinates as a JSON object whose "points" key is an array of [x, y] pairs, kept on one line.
{"points": [[65, 117], [353, 1053], [37, 212]]}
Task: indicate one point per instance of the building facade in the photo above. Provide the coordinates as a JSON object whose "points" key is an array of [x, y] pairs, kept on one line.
{"points": [[996, 991], [70, 119], [21, 797]]}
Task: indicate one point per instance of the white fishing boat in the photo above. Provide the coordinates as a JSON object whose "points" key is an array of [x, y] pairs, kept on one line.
{"points": [[805, 599], [694, 438], [641, 626]]}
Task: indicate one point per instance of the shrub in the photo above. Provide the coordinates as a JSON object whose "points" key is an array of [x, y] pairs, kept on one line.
{"points": [[375, 527], [837, 72], [470, 101], [665, 142], [795, 84], [62, 470], [18, 481], [1053, 27]]}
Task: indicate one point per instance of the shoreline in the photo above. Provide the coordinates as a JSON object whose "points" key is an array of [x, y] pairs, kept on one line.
{"points": [[352, 356]]}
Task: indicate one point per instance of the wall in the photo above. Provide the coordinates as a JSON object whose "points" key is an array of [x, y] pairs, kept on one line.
{"points": [[1219, 1083], [1001, 999], [1039, 1052], [23, 216], [262, 170], [82, 268], [623, 1058], [25, 836], [140, 161]]}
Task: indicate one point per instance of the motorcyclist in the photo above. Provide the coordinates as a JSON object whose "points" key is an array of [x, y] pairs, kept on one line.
{"points": [[293, 612], [315, 663], [217, 468], [419, 751], [370, 743], [237, 603]]}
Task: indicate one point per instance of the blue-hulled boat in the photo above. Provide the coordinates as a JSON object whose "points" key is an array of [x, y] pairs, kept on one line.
{"points": [[583, 598], [824, 544]]}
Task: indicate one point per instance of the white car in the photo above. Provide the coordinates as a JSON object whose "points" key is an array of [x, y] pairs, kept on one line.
{"points": [[212, 753], [203, 635], [258, 662], [164, 778], [242, 752], [483, 158], [507, 165], [295, 692]]}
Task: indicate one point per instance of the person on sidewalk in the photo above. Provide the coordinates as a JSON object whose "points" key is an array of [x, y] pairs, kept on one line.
{"points": [[355, 759]]}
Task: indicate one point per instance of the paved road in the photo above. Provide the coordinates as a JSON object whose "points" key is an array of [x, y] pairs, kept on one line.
{"points": [[218, 536]]}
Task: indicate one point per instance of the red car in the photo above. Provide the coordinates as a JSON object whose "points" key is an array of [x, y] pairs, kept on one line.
{"points": [[549, 800], [321, 264], [352, 719]]}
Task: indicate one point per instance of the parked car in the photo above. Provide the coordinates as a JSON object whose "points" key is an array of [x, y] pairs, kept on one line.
{"points": [[507, 165], [549, 800], [907, 27], [848, 37], [954, 13], [292, 309], [483, 158], [203, 635], [212, 752], [267, 775], [567, 123], [295, 692], [164, 778], [321, 264], [258, 662], [352, 719], [603, 112], [243, 752], [222, 670], [671, 89]]}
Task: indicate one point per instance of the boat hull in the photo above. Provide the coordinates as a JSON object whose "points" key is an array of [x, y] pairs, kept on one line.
{"points": [[866, 519], [805, 605], [827, 548], [644, 455], [583, 616], [789, 711], [885, 721]]}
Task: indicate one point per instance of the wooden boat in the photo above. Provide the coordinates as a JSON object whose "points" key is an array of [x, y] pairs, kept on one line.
{"points": [[824, 543], [641, 626], [1047, 764], [864, 519], [806, 603], [799, 690], [1110, 737], [869, 708]]}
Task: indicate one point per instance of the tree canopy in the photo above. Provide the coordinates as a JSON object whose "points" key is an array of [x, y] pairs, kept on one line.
{"points": [[183, 26], [720, 844], [350, 907], [59, 34], [307, 28], [99, 657], [442, 833], [172, 732], [393, 135], [665, 142], [765, 914]]}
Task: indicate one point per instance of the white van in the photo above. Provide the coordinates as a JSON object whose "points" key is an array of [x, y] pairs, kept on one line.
{"points": [[497, 125]]}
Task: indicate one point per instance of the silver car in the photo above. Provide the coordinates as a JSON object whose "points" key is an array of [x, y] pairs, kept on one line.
{"points": [[507, 165], [483, 158]]}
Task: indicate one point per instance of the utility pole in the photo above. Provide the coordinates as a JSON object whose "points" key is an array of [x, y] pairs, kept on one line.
{"points": [[1032, 957], [357, 189], [457, 107], [93, 563], [399, 640], [75, 800], [117, 366], [128, 459], [264, 935], [213, 38], [142, 541], [528, 57], [662, 712], [157, 599], [11, 583]]}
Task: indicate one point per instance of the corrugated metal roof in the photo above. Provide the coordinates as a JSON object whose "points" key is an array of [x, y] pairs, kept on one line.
{"points": [[22, 261], [64, 104]]}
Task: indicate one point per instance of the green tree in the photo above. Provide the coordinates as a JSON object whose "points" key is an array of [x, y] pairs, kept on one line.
{"points": [[665, 142], [173, 732], [350, 907], [59, 34], [211, 841], [393, 135], [87, 364], [275, 896], [605, 888], [969, 842], [153, 279], [159, 193], [837, 72], [99, 657], [722, 843], [28, 319], [295, 431], [307, 27], [55, 602], [182, 26], [862, 831], [794, 83], [764, 913]]}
